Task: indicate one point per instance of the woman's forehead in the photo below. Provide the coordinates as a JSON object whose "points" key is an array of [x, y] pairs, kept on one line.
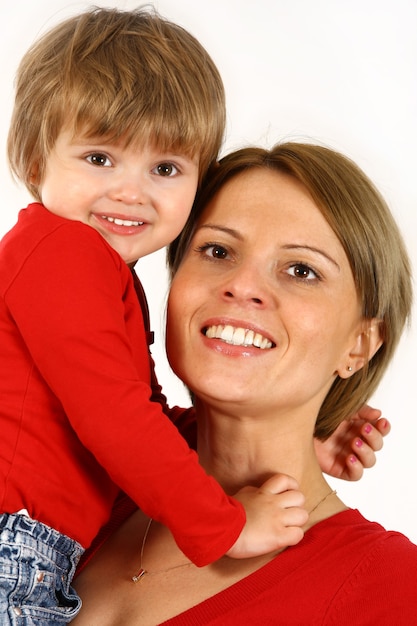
{"points": [[259, 192], [264, 204]]}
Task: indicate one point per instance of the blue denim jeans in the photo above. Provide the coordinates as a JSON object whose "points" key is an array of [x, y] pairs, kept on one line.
{"points": [[37, 565]]}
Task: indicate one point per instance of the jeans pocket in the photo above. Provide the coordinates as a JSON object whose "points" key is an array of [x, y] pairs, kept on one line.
{"points": [[31, 593]]}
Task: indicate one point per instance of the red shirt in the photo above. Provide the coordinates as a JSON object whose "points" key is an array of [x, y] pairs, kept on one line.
{"points": [[76, 419], [346, 571]]}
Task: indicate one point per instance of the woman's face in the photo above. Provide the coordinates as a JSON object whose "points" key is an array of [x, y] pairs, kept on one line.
{"points": [[263, 309]]}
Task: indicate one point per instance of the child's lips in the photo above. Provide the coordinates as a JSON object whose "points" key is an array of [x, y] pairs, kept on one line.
{"points": [[121, 221], [121, 225]]}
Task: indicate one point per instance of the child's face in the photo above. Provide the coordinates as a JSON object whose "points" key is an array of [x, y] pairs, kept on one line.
{"points": [[138, 200]]}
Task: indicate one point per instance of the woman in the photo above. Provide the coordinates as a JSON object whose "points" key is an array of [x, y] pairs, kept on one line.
{"points": [[297, 288]]}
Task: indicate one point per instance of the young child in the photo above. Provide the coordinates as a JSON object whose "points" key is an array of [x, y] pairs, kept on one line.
{"points": [[117, 116]]}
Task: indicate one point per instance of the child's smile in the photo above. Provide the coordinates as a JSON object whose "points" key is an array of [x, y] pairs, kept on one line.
{"points": [[137, 199]]}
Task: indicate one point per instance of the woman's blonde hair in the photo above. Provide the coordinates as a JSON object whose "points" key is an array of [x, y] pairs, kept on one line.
{"points": [[370, 237], [128, 76]]}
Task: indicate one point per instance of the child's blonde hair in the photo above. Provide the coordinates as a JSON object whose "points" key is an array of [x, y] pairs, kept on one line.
{"points": [[128, 76]]}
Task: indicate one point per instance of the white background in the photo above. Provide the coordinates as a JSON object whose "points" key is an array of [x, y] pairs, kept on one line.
{"points": [[342, 72]]}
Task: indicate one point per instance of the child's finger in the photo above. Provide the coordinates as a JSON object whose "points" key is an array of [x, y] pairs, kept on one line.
{"points": [[353, 468], [364, 453], [278, 483], [373, 433], [383, 425]]}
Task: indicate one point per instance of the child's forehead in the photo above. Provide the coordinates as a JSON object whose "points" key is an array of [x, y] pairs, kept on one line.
{"points": [[90, 137]]}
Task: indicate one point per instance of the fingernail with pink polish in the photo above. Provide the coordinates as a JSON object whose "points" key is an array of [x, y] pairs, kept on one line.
{"points": [[353, 459], [368, 428], [359, 443]]}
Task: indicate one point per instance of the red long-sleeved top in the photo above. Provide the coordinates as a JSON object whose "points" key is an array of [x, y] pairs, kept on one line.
{"points": [[345, 571], [76, 420]]}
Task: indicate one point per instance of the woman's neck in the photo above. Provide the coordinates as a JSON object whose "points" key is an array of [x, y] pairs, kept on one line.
{"points": [[245, 450]]}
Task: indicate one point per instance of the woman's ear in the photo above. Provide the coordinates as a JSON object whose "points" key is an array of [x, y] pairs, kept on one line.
{"points": [[366, 344]]}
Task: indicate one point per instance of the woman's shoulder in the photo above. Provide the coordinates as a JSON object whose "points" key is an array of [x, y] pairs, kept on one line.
{"points": [[346, 570], [376, 569], [352, 570], [350, 527], [390, 550], [364, 553]]}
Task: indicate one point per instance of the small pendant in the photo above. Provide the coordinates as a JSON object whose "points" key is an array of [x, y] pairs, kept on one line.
{"points": [[141, 573]]}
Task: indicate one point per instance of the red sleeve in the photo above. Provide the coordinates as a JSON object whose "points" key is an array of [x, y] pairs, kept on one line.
{"points": [[74, 303], [123, 508], [184, 419]]}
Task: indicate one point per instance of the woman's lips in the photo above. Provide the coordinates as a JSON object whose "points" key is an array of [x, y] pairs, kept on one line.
{"points": [[238, 336]]}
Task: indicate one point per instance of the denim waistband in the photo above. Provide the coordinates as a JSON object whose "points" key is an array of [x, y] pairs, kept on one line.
{"points": [[46, 540]]}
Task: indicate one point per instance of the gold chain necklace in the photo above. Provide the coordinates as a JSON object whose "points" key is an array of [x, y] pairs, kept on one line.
{"points": [[331, 493], [142, 571]]}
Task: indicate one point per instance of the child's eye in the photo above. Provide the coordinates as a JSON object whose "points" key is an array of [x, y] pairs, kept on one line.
{"points": [[102, 160], [166, 169], [303, 272]]}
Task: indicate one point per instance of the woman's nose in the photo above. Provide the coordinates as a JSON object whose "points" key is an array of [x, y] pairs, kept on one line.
{"points": [[246, 285]]}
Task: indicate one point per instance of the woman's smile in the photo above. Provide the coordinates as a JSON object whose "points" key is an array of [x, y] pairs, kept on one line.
{"points": [[237, 334], [265, 276]]}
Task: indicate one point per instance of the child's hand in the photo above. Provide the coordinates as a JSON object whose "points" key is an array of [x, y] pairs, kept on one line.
{"points": [[352, 446], [274, 517]]}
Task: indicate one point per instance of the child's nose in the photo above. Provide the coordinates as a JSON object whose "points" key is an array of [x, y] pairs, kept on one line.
{"points": [[130, 189]]}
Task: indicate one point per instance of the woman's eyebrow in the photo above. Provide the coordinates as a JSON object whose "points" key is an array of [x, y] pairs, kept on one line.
{"points": [[314, 250], [224, 229], [235, 233]]}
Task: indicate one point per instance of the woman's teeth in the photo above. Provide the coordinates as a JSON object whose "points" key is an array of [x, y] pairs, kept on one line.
{"points": [[238, 336], [119, 222]]}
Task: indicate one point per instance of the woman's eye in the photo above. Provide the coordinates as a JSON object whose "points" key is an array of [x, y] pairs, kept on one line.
{"points": [[99, 159], [166, 169], [302, 272], [214, 251]]}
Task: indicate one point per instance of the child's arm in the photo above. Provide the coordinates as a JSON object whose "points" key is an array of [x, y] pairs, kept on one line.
{"points": [[352, 446], [183, 419], [73, 302]]}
